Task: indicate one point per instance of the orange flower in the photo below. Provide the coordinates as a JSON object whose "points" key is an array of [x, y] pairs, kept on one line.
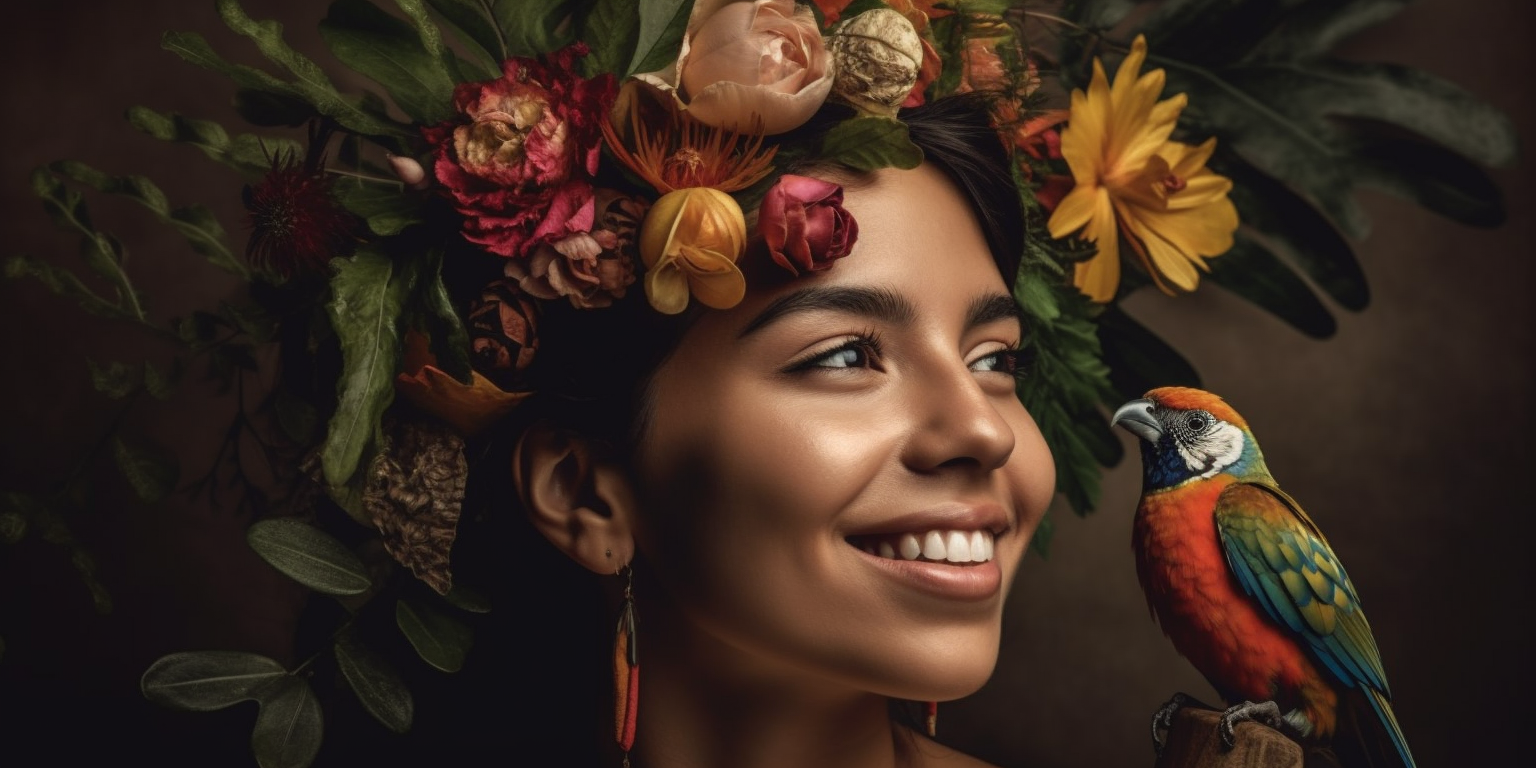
{"points": [[672, 150], [690, 243], [468, 408]]}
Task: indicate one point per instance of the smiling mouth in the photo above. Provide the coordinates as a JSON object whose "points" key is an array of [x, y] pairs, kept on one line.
{"points": [[951, 547]]}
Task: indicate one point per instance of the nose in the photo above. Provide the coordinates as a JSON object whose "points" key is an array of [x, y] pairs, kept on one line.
{"points": [[955, 423]]}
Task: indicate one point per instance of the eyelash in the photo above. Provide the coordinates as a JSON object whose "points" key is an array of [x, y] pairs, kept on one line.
{"points": [[1015, 361]]}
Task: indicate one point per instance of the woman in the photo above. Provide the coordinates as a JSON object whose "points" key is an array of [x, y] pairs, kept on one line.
{"points": [[824, 491]]}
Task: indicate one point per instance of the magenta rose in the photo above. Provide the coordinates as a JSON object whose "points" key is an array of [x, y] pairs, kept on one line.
{"points": [[519, 163], [805, 225]]}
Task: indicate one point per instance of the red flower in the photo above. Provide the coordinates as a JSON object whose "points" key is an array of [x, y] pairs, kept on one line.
{"points": [[805, 225], [503, 333], [519, 167], [591, 269], [297, 225]]}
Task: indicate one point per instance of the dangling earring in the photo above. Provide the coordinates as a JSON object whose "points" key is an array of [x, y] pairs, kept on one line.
{"points": [[626, 669], [932, 719]]}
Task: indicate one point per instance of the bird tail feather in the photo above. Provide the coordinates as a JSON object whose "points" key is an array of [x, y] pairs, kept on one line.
{"points": [[1369, 734]]}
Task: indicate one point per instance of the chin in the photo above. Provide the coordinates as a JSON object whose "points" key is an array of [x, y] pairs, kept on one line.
{"points": [[947, 667]]}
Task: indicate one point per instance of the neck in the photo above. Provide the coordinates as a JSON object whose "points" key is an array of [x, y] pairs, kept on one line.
{"points": [[707, 703]]}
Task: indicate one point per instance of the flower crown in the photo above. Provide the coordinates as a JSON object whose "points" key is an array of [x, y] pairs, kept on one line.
{"points": [[568, 149]]}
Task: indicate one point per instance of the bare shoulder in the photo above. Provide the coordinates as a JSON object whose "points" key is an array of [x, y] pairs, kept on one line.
{"points": [[927, 753]]}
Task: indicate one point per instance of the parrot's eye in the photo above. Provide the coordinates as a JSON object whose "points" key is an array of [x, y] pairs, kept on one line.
{"points": [[1196, 423]]}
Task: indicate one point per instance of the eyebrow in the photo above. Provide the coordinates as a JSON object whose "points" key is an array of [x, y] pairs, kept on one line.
{"points": [[878, 303]]}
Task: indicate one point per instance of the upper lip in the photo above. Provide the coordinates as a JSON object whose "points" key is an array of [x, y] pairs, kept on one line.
{"points": [[955, 516]]}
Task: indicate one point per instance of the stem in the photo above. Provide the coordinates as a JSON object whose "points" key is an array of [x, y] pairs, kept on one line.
{"points": [[1061, 21], [500, 37], [366, 177]]}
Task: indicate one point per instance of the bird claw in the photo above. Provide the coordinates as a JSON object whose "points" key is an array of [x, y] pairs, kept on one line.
{"points": [[1266, 712], [1162, 720]]}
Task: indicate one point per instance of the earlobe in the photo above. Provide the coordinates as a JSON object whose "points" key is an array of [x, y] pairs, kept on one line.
{"points": [[575, 495]]}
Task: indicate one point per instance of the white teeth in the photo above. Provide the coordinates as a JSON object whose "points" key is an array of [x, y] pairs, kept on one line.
{"points": [[937, 546], [957, 547], [933, 546]]}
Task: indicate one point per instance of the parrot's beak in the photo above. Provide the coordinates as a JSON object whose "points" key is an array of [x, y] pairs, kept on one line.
{"points": [[1136, 417]]}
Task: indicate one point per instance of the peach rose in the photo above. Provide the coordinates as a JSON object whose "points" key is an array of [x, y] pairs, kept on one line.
{"points": [[751, 60]]}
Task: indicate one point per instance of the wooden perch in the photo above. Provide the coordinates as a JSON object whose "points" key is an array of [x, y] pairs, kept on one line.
{"points": [[1195, 742]]}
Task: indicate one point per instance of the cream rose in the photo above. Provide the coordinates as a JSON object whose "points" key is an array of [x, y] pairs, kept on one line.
{"points": [[751, 60]]}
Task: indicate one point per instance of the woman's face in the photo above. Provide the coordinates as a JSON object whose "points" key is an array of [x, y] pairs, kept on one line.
{"points": [[799, 442]]}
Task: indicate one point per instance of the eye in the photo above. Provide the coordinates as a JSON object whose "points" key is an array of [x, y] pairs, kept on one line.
{"points": [[860, 352], [1197, 423], [1007, 361]]}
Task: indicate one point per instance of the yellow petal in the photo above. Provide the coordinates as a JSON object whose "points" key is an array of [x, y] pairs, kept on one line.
{"points": [[1074, 211], [1099, 276], [1125, 76], [716, 281], [666, 287], [1203, 189]]}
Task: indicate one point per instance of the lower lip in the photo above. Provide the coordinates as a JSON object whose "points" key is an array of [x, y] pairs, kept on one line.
{"points": [[977, 581]]}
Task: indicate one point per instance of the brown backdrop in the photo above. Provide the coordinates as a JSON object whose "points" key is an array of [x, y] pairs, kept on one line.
{"points": [[1406, 436]]}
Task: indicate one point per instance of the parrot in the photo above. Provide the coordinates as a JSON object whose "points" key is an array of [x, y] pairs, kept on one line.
{"points": [[1245, 585]]}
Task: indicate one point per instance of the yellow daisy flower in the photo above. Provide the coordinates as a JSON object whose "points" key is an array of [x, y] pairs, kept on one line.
{"points": [[1130, 179]]}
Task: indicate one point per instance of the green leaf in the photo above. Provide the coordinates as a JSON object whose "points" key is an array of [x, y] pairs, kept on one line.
{"points": [[1045, 533], [441, 640], [116, 380], [1139, 360], [249, 154], [1256, 275], [13, 526], [450, 341], [203, 681], [367, 295], [64, 283], [297, 418], [870, 143], [660, 37], [532, 27], [159, 385], [150, 469], [289, 725], [389, 51], [386, 208], [431, 38], [102, 252], [612, 27], [195, 223], [476, 32], [378, 686], [467, 599], [309, 556]]}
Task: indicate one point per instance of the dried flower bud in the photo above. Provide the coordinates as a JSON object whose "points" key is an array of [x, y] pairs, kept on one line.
{"points": [[877, 55], [690, 242], [409, 171]]}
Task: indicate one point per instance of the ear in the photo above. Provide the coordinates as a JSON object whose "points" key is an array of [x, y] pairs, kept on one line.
{"points": [[576, 495]]}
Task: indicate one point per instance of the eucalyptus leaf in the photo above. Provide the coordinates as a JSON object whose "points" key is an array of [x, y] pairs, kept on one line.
{"points": [[660, 36], [378, 686], [202, 681], [869, 143], [390, 52], [150, 469], [289, 725], [367, 295], [309, 556], [467, 599], [441, 640]]}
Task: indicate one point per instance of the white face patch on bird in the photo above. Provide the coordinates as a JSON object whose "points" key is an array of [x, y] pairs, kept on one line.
{"points": [[1206, 444]]}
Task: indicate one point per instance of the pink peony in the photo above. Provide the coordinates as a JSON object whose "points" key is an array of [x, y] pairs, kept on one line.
{"points": [[519, 164], [805, 225]]}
